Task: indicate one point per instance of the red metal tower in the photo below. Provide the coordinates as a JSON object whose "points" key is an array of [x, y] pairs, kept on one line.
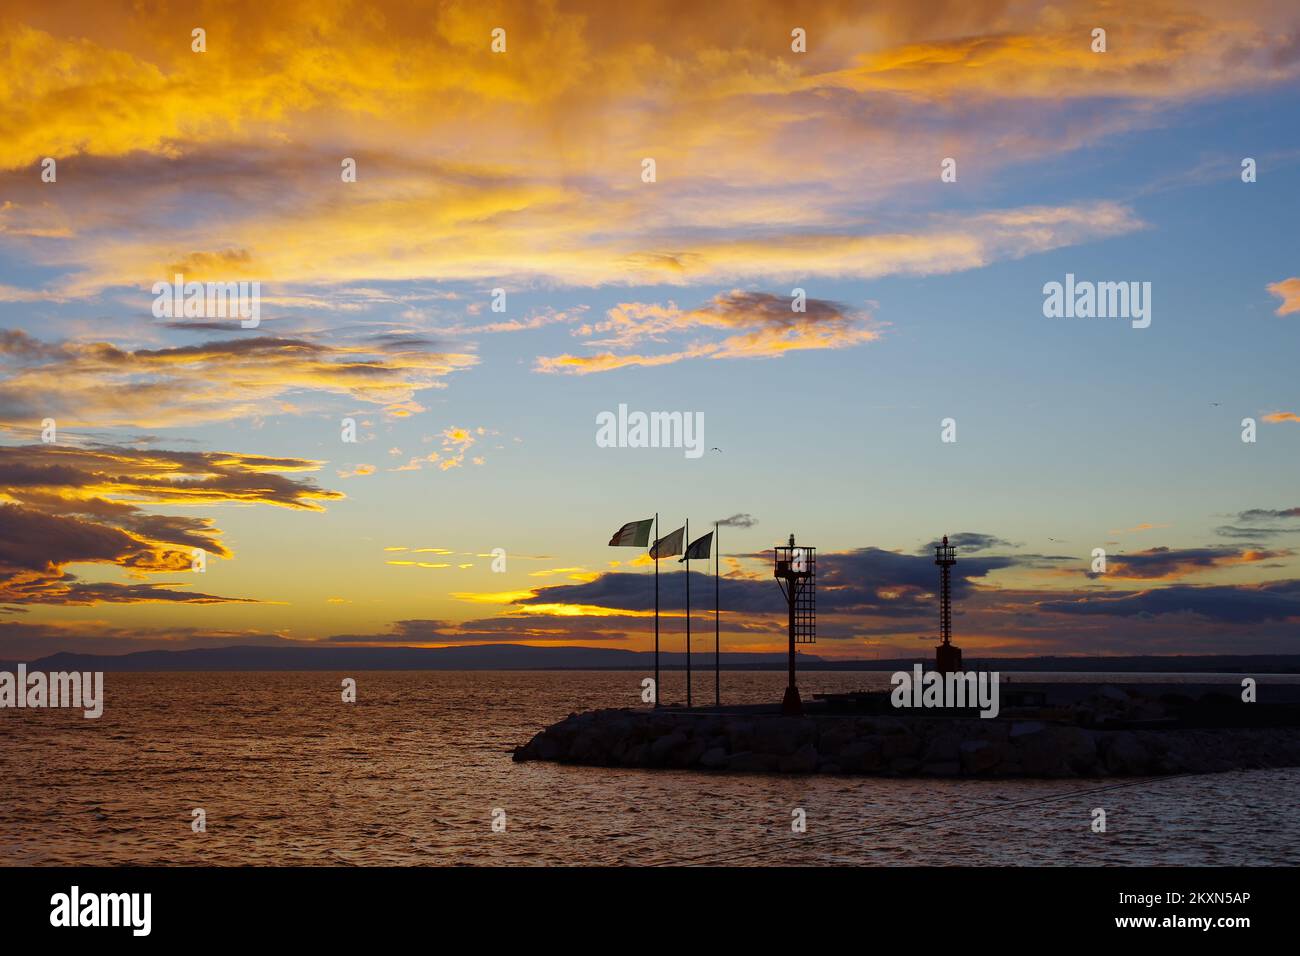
{"points": [[796, 572], [947, 656]]}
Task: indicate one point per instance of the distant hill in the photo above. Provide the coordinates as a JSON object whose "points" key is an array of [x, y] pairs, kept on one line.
{"points": [[526, 657], [329, 658]]}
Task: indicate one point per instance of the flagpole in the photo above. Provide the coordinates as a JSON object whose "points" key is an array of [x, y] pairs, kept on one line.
{"points": [[717, 657], [688, 612], [655, 549]]}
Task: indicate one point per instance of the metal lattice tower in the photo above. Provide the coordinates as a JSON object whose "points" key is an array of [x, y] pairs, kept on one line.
{"points": [[796, 572], [945, 557], [947, 656]]}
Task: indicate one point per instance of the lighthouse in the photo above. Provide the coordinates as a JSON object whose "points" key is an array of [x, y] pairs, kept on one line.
{"points": [[796, 573], [947, 655]]}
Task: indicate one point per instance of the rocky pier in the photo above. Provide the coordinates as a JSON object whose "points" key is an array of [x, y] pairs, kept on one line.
{"points": [[1106, 732]]}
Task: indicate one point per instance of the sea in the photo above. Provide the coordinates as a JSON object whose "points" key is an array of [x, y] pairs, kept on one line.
{"points": [[281, 771]]}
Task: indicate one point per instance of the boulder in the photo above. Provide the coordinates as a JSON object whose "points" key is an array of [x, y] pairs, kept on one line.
{"points": [[586, 747], [1042, 753], [664, 746], [749, 762], [899, 745], [714, 758], [862, 756], [783, 735], [1079, 748], [1125, 755], [803, 760], [980, 756]]}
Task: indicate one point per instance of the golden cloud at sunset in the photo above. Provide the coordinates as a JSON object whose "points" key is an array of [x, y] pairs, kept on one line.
{"points": [[473, 166], [99, 384], [66, 505]]}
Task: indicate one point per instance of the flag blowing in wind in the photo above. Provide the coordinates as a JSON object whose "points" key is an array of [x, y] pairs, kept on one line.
{"points": [[634, 534], [669, 544]]}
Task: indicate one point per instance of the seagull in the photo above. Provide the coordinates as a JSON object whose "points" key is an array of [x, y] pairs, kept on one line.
{"points": [[718, 450], [1215, 404]]}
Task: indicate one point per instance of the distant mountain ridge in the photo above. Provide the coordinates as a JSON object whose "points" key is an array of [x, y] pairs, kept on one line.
{"points": [[529, 657], [328, 658]]}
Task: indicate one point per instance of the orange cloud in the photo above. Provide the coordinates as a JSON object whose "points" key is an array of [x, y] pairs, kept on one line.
{"points": [[360, 471], [765, 326], [65, 505], [456, 441], [1170, 564], [1288, 290], [538, 189], [1144, 526], [97, 384]]}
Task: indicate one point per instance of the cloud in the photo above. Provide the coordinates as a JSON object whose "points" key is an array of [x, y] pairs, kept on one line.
{"points": [[1252, 533], [65, 590], [360, 471], [1144, 526], [870, 593], [1236, 604], [868, 580], [763, 326], [99, 385], [456, 442], [740, 519], [63, 505], [227, 163], [1152, 53], [1288, 290], [1261, 514], [127, 84], [967, 541], [540, 319], [1170, 563], [1255, 531]]}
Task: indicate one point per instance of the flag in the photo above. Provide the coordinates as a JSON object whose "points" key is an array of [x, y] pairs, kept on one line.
{"points": [[699, 549], [634, 534], [668, 545]]}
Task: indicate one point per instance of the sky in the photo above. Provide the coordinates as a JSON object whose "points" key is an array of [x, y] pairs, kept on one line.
{"points": [[506, 266]]}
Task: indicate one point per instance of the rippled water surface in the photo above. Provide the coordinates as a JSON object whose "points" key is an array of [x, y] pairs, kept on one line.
{"points": [[412, 772]]}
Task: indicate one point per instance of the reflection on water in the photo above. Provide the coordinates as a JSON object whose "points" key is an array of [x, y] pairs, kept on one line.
{"points": [[411, 773]]}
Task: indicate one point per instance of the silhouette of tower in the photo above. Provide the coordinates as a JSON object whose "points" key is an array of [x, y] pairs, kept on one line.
{"points": [[947, 656], [796, 572]]}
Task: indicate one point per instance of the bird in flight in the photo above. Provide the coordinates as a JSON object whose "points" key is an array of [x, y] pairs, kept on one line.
{"points": [[718, 450]]}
